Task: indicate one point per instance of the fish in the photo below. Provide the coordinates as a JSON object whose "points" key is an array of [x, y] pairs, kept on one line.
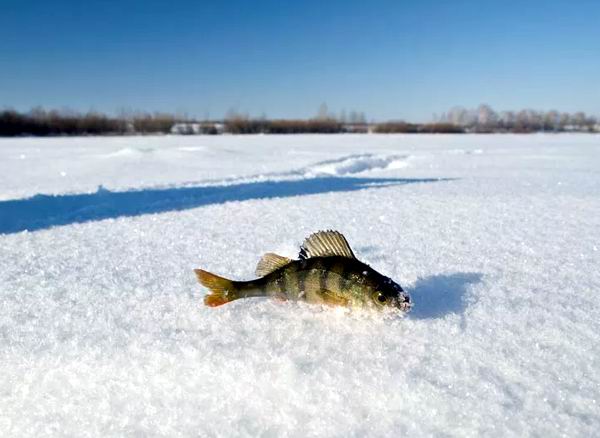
{"points": [[326, 272]]}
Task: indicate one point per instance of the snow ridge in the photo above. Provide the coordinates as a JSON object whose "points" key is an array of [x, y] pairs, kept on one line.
{"points": [[358, 163]]}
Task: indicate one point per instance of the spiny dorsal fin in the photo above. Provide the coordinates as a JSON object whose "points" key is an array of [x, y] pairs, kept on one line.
{"points": [[269, 263], [326, 244]]}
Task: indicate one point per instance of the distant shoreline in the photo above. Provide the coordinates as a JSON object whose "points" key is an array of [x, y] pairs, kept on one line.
{"points": [[383, 134], [484, 120]]}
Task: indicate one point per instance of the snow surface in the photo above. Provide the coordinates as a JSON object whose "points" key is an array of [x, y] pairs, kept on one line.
{"points": [[102, 330]]}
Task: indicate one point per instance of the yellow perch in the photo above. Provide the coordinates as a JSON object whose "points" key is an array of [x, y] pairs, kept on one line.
{"points": [[327, 272]]}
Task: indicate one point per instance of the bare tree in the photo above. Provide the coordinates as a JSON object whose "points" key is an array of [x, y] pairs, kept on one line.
{"points": [[579, 119], [552, 120], [487, 118], [323, 112]]}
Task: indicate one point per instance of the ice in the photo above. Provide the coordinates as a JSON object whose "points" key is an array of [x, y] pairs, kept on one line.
{"points": [[103, 331]]}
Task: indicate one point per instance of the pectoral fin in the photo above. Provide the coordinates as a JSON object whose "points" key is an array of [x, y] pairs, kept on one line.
{"points": [[333, 299]]}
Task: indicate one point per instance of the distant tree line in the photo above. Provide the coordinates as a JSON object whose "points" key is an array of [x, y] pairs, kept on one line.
{"points": [[486, 119], [416, 128], [40, 122], [244, 125], [323, 123]]}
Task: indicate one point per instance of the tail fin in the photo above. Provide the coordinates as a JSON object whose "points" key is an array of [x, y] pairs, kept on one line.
{"points": [[221, 289]]}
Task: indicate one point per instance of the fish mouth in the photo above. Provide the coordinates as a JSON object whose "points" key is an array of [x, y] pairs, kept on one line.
{"points": [[403, 303], [405, 307]]}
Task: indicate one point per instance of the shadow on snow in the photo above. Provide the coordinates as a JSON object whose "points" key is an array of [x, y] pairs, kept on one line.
{"points": [[44, 211], [439, 295]]}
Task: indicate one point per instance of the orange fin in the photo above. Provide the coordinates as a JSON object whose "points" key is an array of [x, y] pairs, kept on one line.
{"points": [[221, 289]]}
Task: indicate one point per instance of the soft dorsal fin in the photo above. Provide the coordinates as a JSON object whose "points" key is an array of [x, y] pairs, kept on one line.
{"points": [[326, 244], [269, 263]]}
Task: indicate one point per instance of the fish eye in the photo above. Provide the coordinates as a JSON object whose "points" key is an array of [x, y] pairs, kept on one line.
{"points": [[381, 298]]}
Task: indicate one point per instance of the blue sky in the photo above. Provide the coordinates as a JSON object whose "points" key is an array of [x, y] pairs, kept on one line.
{"points": [[390, 59]]}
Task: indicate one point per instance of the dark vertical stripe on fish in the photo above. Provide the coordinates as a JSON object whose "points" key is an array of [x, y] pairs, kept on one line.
{"points": [[323, 278], [301, 276], [281, 283], [342, 279], [328, 266], [290, 275]]}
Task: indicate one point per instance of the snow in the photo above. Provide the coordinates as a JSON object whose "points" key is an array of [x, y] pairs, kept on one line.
{"points": [[103, 332], [356, 164]]}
